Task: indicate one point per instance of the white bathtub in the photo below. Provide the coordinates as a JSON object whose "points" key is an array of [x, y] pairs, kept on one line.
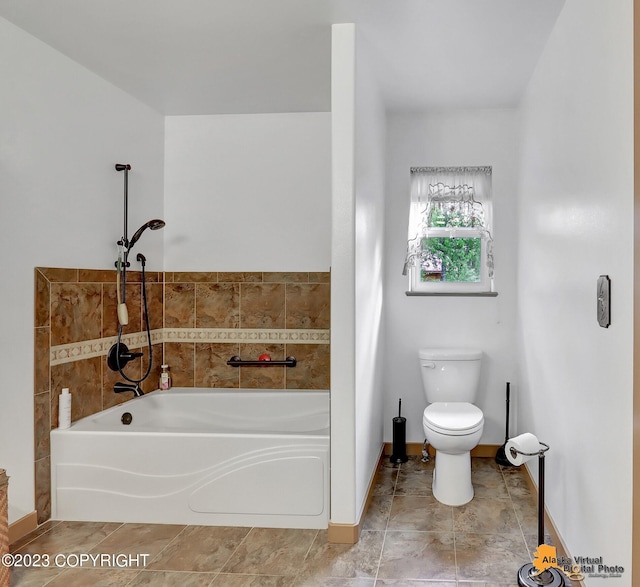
{"points": [[217, 457]]}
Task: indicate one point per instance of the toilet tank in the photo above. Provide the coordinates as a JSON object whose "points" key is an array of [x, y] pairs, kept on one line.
{"points": [[450, 375]]}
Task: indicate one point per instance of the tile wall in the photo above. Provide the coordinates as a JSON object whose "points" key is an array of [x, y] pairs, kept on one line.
{"points": [[198, 321]]}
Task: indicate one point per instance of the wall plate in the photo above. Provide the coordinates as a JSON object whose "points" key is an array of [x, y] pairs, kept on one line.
{"points": [[604, 301]]}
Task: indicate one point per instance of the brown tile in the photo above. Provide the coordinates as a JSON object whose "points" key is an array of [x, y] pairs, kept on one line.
{"points": [[415, 482], [527, 514], [71, 538], [180, 356], [42, 351], [96, 577], [280, 277], [320, 277], [217, 305], [180, 305], [310, 581], [97, 275], [200, 548], [84, 380], [517, 485], [410, 583], [312, 370], [378, 513], [57, 274], [344, 560], [154, 277], [42, 425], [136, 276], [43, 489], [41, 310], [33, 576], [420, 514], [194, 277], [172, 579], [271, 551], [488, 482], [486, 515], [494, 558], [418, 555], [152, 381], [76, 312], [262, 305], [155, 305], [308, 305], [134, 539], [239, 277], [416, 464], [262, 377], [211, 365], [386, 478]]}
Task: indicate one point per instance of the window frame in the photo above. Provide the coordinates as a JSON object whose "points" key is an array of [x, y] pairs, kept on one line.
{"points": [[482, 286]]}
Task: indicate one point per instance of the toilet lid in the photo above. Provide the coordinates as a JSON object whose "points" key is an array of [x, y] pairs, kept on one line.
{"points": [[453, 417]]}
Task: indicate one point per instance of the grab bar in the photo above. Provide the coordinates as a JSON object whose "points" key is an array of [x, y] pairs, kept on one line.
{"points": [[237, 362]]}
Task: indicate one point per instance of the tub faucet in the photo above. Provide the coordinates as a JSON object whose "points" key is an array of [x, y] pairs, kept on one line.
{"points": [[121, 387]]}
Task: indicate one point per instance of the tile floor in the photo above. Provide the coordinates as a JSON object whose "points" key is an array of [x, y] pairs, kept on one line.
{"points": [[408, 539]]}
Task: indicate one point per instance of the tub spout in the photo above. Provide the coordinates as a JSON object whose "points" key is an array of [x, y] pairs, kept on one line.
{"points": [[121, 387]]}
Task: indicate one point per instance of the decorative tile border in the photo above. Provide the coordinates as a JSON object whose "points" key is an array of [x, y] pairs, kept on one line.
{"points": [[239, 335], [88, 349]]}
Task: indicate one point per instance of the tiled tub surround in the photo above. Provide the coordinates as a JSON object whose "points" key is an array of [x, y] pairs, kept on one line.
{"points": [[198, 321]]}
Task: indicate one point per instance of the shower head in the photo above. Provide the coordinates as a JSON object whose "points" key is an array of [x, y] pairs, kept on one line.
{"points": [[154, 224]]}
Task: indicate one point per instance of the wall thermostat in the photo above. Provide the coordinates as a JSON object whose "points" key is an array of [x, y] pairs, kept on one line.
{"points": [[604, 301]]}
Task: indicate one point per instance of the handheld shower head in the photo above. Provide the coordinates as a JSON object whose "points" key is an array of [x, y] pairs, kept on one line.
{"points": [[154, 224]]}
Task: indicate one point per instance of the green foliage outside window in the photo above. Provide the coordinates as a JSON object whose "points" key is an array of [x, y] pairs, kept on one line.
{"points": [[452, 259]]}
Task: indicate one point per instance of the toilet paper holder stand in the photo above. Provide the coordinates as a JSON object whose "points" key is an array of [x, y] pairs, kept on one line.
{"points": [[540, 454], [552, 576]]}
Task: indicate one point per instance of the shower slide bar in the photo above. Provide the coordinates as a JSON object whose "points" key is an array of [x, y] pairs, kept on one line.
{"points": [[236, 361]]}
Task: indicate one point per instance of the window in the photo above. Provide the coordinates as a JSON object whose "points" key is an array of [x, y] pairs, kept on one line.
{"points": [[449, 246]]}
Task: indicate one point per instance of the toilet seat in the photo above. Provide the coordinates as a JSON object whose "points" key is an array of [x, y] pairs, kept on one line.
{"points": [[453, 418]]}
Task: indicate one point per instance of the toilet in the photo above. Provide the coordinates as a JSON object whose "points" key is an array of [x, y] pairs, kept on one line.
{"points": [[452, 424]]}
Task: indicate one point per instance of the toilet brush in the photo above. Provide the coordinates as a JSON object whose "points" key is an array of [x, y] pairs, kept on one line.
{"points": [[529, 575]]}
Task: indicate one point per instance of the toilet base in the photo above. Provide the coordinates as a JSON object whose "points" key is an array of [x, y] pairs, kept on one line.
{"points": [[452, 478]]}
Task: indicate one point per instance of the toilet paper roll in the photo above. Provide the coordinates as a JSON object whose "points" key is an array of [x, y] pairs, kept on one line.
{"points": [[526, 442]]}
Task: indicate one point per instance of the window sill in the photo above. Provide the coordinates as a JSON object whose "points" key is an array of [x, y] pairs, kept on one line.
{"points": [[466, 294]]}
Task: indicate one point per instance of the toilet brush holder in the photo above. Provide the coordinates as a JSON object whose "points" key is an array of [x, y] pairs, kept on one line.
{"points": [[399, 454]]}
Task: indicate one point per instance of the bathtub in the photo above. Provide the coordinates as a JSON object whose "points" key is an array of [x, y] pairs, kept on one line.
{"points": [[219, 457]]}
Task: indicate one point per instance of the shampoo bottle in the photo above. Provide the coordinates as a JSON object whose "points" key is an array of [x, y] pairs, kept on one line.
{"points": [[165, 377], [64, 409]]}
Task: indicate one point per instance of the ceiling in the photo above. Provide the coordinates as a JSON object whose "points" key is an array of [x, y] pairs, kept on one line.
{"points": [[255, 56]]}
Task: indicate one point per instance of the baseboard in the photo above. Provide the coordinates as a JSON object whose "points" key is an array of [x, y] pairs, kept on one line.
{"points": [[415, 449], [343, 533], [23, 526], [350, 533], [549, 526]]}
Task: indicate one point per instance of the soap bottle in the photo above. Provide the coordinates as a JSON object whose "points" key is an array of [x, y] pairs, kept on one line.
{"points": [[64, 409], [165, 377]]}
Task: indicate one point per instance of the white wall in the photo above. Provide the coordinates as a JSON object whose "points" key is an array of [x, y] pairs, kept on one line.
{"points": [[248, 192], [576, 223], [343, 402], [466, 137], [62, 129], [370, 122]]}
